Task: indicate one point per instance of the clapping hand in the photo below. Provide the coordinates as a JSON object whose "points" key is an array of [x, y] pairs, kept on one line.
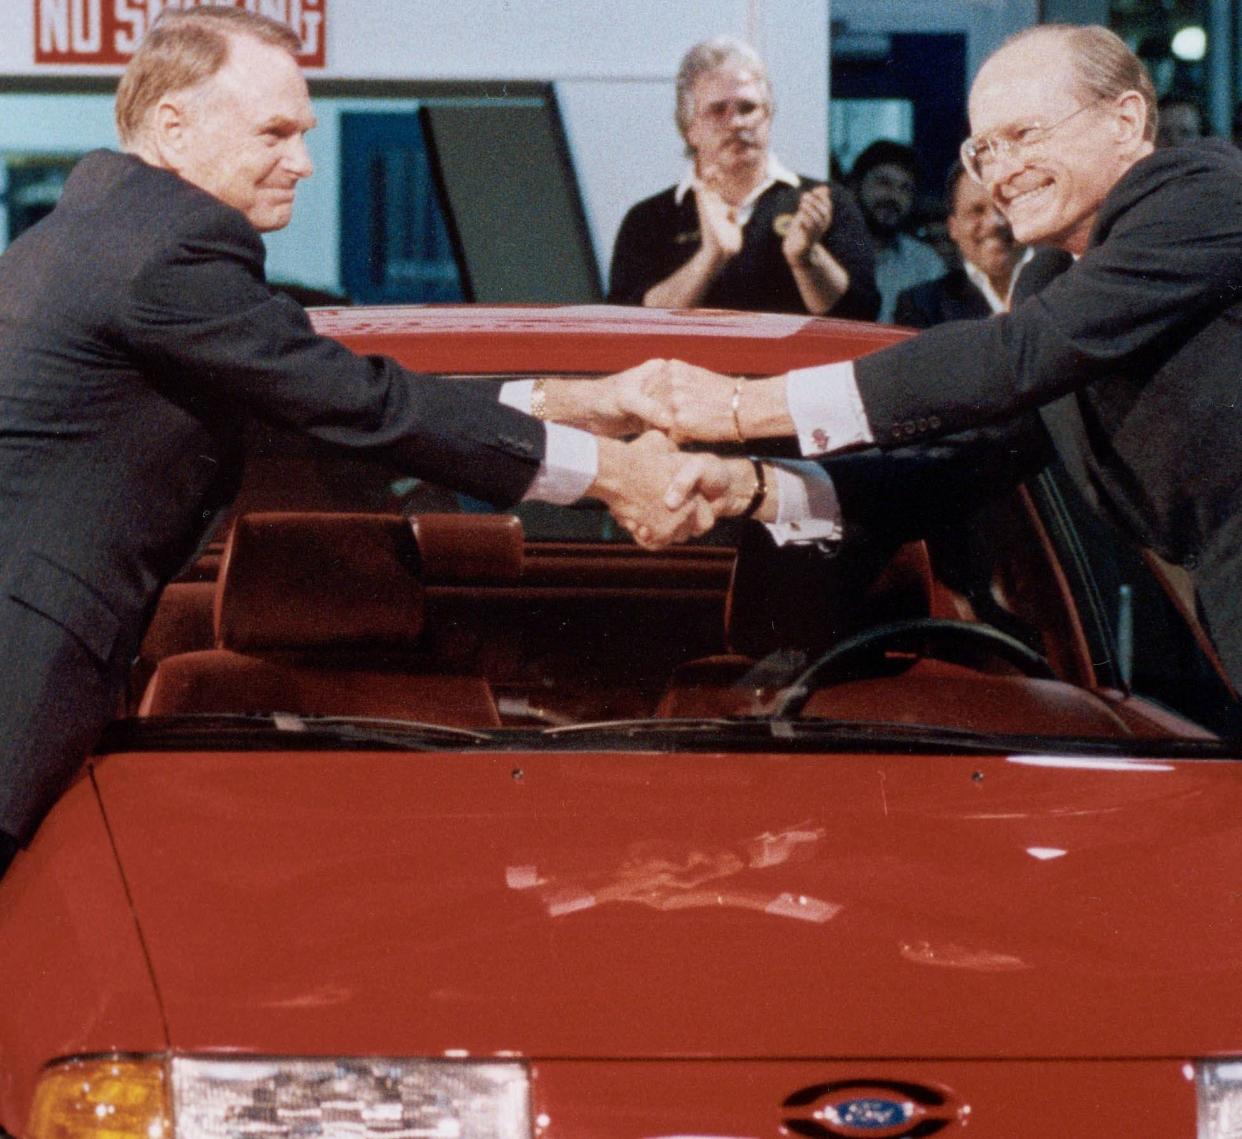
{"points": [[719, 230], [808, 225]]}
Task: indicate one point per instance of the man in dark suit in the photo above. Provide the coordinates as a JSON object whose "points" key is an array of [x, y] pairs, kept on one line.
{"points": [[990, 261], [137, 335], [1130, 355]]}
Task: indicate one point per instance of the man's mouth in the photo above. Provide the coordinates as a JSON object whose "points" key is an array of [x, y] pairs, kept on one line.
{"points": [[1025, 198]]}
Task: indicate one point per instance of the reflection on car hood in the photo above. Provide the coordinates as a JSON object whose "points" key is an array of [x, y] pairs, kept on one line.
{"points": [[567, 904]]}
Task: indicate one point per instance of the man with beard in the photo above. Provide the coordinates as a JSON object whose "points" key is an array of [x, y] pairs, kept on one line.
{"points": [[991, 261], [740, 230], [884, 178]]}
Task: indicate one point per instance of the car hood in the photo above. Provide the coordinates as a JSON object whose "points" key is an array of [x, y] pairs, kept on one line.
{"points": [[657, 905]]}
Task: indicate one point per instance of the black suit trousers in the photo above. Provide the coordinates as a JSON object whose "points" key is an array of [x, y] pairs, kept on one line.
{"points": [[56, 702]]}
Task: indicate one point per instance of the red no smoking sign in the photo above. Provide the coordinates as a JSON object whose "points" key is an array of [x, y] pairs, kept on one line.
{"points": [[108, 31]]}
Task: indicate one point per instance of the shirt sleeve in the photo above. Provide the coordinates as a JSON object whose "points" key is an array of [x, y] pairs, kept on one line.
{"points": [[809, 510], [570, 459], [641, 255], [826, 408]]}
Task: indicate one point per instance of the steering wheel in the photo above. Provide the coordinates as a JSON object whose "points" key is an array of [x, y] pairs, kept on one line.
{"points": [[934, 638]]}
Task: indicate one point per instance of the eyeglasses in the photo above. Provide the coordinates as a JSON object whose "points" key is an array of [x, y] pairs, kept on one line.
{"points": [[745, 111], [1021, 144]]}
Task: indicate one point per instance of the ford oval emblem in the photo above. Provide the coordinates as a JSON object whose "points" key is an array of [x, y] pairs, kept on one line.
{"points": [[871, 1109], [870, 1113]]}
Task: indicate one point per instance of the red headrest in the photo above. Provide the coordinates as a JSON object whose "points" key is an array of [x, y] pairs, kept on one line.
{"points": [[468, 547], [292, 581]]}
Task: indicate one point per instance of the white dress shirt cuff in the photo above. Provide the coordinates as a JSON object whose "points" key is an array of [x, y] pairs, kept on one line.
{"points": [[809, 510], [570, 458], [826, 409], [518, 394]]}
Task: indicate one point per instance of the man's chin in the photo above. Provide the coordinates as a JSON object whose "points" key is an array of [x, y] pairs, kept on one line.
{"points": [[271, 219], [741, 156], [1032, 232]]}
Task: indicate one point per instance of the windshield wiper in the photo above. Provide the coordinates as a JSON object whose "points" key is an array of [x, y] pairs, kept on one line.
{"points": [[282, 731]]}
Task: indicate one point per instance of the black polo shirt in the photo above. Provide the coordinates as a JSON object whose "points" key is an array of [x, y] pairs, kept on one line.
{"points": [[660, 234]]}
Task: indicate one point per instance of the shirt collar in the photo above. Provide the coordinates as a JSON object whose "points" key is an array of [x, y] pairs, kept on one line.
{"points": [[980, 281], [776, 171]]}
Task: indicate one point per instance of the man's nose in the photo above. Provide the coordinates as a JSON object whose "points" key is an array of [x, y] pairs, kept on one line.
{"points": [[1000, 166], [297, 158]]}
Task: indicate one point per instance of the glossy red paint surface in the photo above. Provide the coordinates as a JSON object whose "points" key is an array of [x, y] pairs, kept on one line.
{"points": [[686, 905], [596, 338], [73, 977]]}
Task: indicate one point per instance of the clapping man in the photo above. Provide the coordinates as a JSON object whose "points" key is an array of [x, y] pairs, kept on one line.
{"points": [[741, 230]]}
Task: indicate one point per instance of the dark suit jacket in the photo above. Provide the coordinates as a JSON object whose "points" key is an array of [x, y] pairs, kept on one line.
{"points": [[137, 335], [951, 297], [1142, 338]]}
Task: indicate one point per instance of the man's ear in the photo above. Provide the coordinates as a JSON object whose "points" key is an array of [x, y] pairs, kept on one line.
{"points": [[1131, 119], [169, 135]]}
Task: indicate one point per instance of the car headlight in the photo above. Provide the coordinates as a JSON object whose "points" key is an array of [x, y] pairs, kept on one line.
{"points": [[191, 1098], [1219, 1086]]}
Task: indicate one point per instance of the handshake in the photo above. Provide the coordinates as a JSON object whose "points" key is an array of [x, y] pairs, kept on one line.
{"points": [[658, 492]]}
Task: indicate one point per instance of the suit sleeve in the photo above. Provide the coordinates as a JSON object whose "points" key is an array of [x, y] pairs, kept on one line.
{"points": [[893, 496], [1166, 262], [201, 316]]}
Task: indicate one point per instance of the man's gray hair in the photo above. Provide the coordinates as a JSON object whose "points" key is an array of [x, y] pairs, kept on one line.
{"points": [[184, 48], [1103, 65], [711, 55]]}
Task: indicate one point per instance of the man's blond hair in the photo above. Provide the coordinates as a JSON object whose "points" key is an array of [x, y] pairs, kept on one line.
{"points": [[184, 48], [712, 55]]}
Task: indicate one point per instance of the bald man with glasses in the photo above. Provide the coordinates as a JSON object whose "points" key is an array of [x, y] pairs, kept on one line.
{"points": [[1131, 357]]}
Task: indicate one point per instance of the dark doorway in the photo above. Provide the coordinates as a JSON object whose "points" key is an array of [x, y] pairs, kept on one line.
{"points": [[918, 80]]}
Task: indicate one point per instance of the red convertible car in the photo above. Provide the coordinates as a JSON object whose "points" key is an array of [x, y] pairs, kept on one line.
{"points": [[432, 823]]}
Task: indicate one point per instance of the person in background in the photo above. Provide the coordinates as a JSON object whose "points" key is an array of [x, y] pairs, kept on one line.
{"points": [[884, 178], [990, 261], [741, 230], [1181, 121]]}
